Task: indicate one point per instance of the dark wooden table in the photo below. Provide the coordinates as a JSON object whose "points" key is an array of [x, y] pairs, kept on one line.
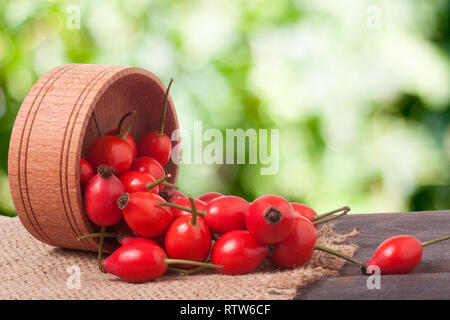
{"points": [[430, 279]]}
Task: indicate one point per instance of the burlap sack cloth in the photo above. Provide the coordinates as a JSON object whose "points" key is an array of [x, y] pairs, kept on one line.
{"points": [[30, 269]]}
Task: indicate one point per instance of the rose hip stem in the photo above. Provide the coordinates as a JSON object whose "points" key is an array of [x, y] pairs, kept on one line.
{"points": [[361, 265], [163, 117], [169, 166], [100, 249], [98, 235], [340, 255], [150, 186], [171, 185], [194, 211], [195, 263], [426, 243], [214, 236], [97, 125], [125, 133], [173, 205], [119, 126], [183, 272], [329, 213], [345, 210]]}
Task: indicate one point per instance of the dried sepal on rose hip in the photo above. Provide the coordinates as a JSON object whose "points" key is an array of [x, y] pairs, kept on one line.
{"points": [[270, 219], [143, 215]]}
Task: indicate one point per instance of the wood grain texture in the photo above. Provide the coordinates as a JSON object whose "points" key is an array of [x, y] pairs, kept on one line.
{"points": [[429, 280], [53, 129]]}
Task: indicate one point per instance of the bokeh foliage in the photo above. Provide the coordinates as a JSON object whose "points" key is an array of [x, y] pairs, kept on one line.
{"points": [[359, 89]]}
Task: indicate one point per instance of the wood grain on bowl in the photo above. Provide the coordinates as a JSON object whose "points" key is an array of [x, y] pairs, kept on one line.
{"points": [[52, 131]]}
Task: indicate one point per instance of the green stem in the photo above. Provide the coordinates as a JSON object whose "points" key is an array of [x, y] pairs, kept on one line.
{"points": [[183, 272], [176, 206], [340, 255], [97, 125], [329, 213], [427, 243], [194, 211], [150, 186], [331, 218], [169, 166], [163, 117], [119, 126], [98, 235], [170, 185], [125, 133], [215, 236], [195, 263], [100, 249]]}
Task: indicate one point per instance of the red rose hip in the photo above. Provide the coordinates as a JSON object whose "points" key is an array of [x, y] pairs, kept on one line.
{"points": [[188, 237], [270, 219], [199, 205], [207, 197], [226, 213], [238, 252], [143, 215], [86, 172], [142, 262], [111, 151], [100, 197], [148, 165], [298, 248], [124, 134], [157, 144]]}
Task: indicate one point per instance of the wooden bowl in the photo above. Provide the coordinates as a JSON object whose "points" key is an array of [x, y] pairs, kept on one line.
{"points": [[52, 131]]}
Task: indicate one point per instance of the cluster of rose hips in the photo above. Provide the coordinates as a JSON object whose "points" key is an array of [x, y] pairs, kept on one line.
{"points": [[163, 226]]}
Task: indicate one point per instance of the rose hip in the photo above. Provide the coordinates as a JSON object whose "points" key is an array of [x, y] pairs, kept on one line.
{"points": [[135, 181], [100, 197], [124, 134], [238, 252], [111, 151], [298, 248], [142, 262], [200, 206], [170, 193], [399, 254], [304, 211], [86, 172], [148, 165], [157, 144], [134, 240], [143, 215], [207, 197], [270, 219], [188, 237], [396, 255], [226, 213]]}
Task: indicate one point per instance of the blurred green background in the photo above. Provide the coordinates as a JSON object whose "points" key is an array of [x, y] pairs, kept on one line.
{"points": [[359, 89]]}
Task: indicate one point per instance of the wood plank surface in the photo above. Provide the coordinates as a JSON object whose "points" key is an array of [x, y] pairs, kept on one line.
{"points": [[430, 280]]}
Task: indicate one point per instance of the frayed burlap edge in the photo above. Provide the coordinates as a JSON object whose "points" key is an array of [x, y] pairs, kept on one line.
{"points": [[32, 270]]}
